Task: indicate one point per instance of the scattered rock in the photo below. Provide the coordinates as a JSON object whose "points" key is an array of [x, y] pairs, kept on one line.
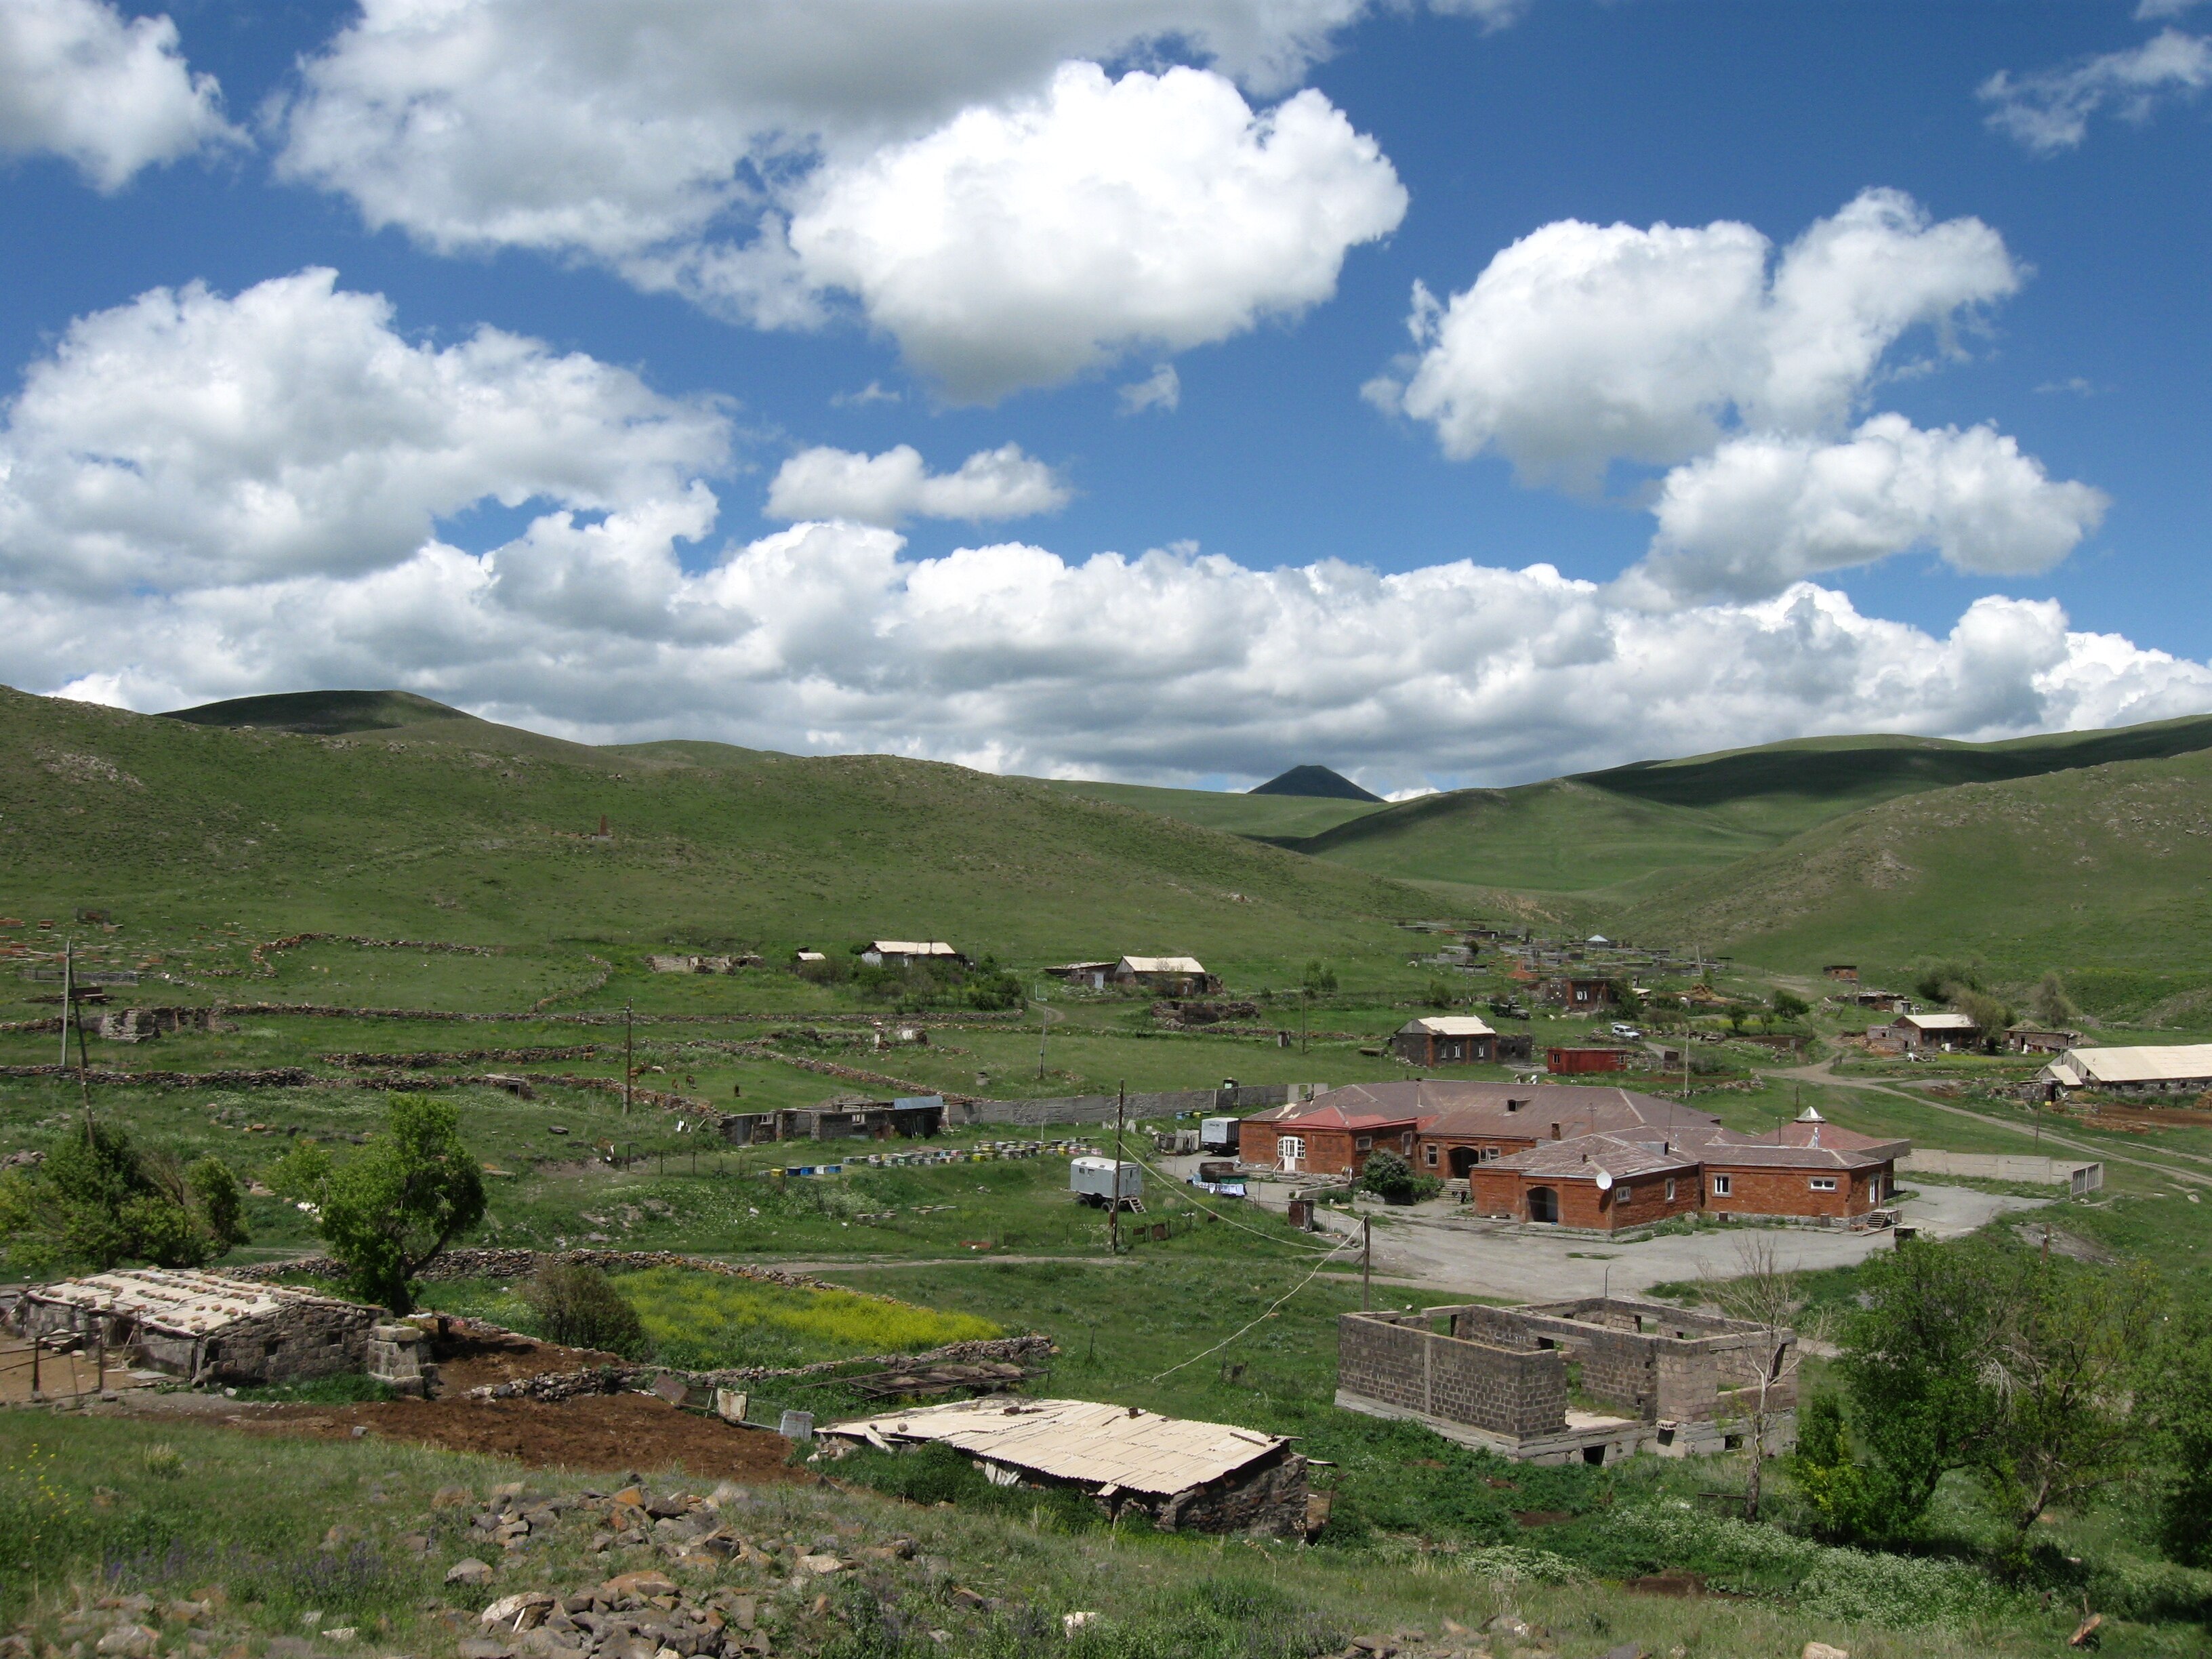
{"points": [[453, 1497], [1072, 1622], [1822, 1650], [476, 1647], [821, 1564], [469, 1571], [1625, 1650], [133, 1641], [518, 1613]]}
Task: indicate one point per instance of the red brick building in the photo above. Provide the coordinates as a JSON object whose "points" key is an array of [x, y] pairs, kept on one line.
{"points": [[1330, 1140], [1809, 1168], [1570, 1062], [1601, 1182]]}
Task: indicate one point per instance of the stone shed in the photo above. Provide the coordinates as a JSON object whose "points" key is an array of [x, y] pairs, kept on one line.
{"points": [[204, 1326], [1645, 1377], [1186, 1476]]}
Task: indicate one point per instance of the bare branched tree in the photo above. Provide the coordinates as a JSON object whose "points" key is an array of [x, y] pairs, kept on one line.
{"points": [[1762, 1292]]}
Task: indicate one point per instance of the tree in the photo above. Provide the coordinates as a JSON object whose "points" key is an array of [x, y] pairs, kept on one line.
{"points": [[1761, 1293], [100, 1200], [400, 1200], [1319, 978], [1830, 1479], [2066, 1369], [1936, 981], [1389, 1177], [2180, 1402], [1913, 1362], [1788, 1005], [1989, 1015], [579, 1306], [2048, 1003]]}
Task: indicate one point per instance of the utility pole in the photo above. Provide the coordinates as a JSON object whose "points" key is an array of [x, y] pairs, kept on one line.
{"points": [[1113, 1222], [630, 1056], [68, 1012], [1044, 1024], [1306, 1016], [1366, 1260]]}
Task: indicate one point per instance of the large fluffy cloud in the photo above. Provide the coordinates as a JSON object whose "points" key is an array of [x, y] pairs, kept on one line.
{"points": [[1759, 513], [205, 497], [896, 485], [1019, 247], [189, 438], [1581, 346], [79, 80], [2049, 110], [673, 140]]}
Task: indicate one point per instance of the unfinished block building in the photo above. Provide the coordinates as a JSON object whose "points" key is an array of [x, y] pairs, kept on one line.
{"points": [[1645, 1377], [206, 1326]]}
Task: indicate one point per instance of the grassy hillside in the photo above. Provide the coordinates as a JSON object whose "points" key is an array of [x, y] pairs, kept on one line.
{"points": [[1263, 817], [449, 828], [1623, 836], [2103, 865]]}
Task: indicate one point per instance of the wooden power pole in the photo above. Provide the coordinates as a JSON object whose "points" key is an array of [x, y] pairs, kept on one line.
{"points": [[1366, 1260], [630, 1056], [1113, 1222]]}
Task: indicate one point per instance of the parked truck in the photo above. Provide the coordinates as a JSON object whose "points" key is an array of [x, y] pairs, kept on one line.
{"points": [[1101, 1181]]}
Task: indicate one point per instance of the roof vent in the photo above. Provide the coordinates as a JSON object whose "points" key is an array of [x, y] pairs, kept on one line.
{"points": [[1555, 1130], [1811, 1114]]}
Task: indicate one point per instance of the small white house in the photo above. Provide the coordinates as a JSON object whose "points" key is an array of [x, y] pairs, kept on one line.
{"points": [[905, 952], [1946, 1033]]}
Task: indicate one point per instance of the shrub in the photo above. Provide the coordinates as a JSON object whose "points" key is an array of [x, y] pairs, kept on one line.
{"points": [[101, 1199], [1391, 1179], [579, 1306]]}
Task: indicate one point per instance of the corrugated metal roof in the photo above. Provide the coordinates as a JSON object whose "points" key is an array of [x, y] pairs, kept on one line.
{"points": [[1584, 1157], [1162, 964], [1940, 1022], [179, 1299], [2179, 1062], [1449, 1026], [913, 947], [1076, 1440]]}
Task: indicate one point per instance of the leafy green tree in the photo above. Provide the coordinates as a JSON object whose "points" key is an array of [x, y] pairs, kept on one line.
{"points": [[2180, 1400], [1389, 1177], [1913, 1362], [2048, 1002], [994, 989], [301, 1174], [2065, 1367], [1989, 1014], [101, 1200], [402, 1199], [1936, 981], [1788, 1005], [1832, 1482], [579, 1306], [1319, 978]]}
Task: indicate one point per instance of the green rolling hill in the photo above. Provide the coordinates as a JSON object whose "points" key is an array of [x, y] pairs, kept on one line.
{"points": [[1285, 820], [383, 814], [1620, 837]]}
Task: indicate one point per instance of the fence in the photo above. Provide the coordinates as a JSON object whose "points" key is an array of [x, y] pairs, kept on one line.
{"points": [[2079, 1178]]}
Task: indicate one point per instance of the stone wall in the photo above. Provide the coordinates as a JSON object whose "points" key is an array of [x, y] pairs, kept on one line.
{"points": [[1268, 1498], [1100, 1108], [309, 1337]]}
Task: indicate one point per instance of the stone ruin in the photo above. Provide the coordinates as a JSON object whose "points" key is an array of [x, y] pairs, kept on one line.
{"points": [[1651, 1377], [205, 1326]]}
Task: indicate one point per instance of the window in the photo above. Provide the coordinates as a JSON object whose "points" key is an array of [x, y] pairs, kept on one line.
{"points": [[1289, 1151], [1670, 1199], [1431, 1156], [1366, 1142], [1823, 1183], [1627, 1195], [1721, 1186]]}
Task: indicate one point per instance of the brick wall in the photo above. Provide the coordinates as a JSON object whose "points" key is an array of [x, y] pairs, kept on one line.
{"points": [[1789, 1191]]}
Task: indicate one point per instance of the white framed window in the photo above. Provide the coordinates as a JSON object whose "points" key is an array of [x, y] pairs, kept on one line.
{"points": [[1723, 1185], [1823, 1183], [1366, 1143], [1670, 1192], [1431, 1156], [1627, 1195]]}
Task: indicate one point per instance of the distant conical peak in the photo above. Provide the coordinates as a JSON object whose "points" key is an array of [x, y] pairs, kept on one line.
{"points": [[1317, 782]]}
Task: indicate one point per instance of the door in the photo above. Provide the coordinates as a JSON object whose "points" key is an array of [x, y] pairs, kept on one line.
{"points": [[1462, 1161], [1289, 1154], [1543, 1204]]}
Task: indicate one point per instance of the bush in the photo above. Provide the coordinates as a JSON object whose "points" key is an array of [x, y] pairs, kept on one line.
{"points": [[101, 1200], [579, 1306], [1391, 1179]]}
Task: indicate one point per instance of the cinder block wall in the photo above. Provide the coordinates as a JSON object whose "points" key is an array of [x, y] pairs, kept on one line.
{"points": [[1519, 1391]]}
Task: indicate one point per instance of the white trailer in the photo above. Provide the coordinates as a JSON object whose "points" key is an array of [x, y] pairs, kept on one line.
{"points": [[1218, 1135], [1094, 1180]]}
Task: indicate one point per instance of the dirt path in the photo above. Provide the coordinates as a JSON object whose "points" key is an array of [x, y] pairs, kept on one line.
{"points": [[1821, 1073]]}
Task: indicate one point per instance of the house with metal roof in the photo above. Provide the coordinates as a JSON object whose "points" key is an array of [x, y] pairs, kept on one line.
{"points": [[1171, 976], [1601, 1182], [1184, 1475], [905, 952], [1445, 1040], [1946, 1033], [2182, 1068], [206, 1326]]}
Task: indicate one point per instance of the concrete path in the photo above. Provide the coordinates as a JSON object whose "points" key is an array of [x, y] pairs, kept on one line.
{"points": [[1520, 1264]]}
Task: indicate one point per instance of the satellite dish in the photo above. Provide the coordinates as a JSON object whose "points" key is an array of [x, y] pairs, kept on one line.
{"points": [[1605, 1181]]}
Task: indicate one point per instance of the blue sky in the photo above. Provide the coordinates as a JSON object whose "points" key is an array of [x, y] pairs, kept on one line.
{"points": [[1634, 493]]}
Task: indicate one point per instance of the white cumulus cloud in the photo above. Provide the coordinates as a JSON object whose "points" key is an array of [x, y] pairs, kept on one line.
{"points": [[1019, 247], [1760, 512], [1161, 389], [2049, 110], [676, 142], [111, 95], [884, 490], [1581, 344], [203, 496], [189, 438]]}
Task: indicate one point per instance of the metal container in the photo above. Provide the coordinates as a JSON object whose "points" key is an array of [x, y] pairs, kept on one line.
{"points": [[1093, 1179]]}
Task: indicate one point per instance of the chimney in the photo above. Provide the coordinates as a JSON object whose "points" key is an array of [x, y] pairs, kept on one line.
{"points": [[1555, 1129]]}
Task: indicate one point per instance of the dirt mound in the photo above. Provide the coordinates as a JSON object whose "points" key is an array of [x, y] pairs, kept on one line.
{"points": [[597, 1432], [472, 1354]]}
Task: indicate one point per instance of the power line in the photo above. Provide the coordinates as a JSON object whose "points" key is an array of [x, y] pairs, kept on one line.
{"points": [[1270, 1314]]}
